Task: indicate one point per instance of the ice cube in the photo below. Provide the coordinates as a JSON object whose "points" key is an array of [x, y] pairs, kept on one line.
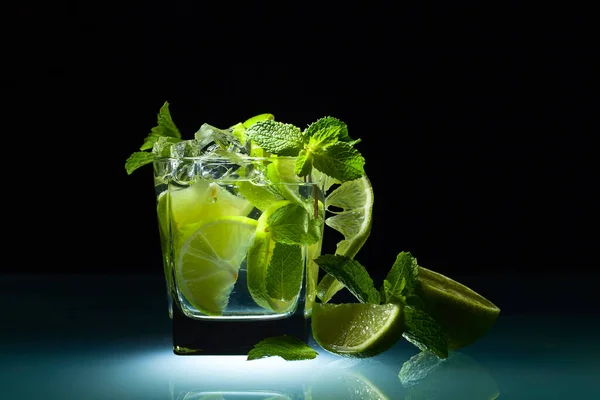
{"points": [[217, 141], [186, 148]]}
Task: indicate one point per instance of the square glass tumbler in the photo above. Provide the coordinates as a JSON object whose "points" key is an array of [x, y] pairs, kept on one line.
{"points": [[238, 237]]}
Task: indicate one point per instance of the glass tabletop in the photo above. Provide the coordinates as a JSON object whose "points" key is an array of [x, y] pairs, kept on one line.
{"points": [[109, 337]]}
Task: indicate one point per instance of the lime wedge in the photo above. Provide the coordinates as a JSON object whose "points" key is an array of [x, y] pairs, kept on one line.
{"points": [[209, 260], [357, 329], [462, 313], [203, 201], [352, 204]]}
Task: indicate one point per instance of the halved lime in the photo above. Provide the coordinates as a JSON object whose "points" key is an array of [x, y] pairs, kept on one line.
{"points": [[357, 329], [352, 204], [462, 313], [209, 260]]}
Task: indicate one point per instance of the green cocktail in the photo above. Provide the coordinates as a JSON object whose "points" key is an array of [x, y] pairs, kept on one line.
{"points": [[242, 213]]}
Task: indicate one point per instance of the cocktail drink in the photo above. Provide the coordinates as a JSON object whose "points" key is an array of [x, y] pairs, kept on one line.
{"points": [[235, 235], [241, 214]]}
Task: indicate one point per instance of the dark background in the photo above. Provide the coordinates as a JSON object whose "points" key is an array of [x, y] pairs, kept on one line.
{"points": [[476, 123]]}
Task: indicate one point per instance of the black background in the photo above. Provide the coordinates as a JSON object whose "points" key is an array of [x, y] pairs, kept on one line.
{"points": [[476, 123]]}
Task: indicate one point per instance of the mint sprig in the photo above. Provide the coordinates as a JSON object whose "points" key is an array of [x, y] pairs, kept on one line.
{"points": [[163, 135], [324, 145], [277, 137]]}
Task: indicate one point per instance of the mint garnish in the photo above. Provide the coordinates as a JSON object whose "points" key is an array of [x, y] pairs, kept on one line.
{"points": [[324, 145], [284, 274], [160, 139], [287, 347], [165, 127], [276, 137], [352, 274]]}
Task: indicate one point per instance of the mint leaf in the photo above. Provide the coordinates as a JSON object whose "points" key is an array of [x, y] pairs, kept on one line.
{"points": [[287, 347], [303, 163], [333, 128], [402, 280], [277, 138], [352, 275], [138, 159], [293, 224], [340, 161], [284, 274], [421, 330], [163, 145], [165, 127]]}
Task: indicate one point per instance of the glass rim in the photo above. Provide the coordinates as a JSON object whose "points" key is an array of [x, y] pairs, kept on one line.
{"points": [[224, 158]]}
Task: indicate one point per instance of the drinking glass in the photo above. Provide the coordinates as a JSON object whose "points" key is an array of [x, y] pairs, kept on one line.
{"points": [[238, 236]]}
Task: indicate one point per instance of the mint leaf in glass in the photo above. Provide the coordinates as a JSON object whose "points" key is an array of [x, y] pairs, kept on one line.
{"points": [[277, 138], [287, 347], [293, 224], [352, 275], [284, 274], [421, 330]]}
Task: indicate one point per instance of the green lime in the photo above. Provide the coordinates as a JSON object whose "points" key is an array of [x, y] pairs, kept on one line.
{"points": [[357, 329], [463, 314], [352, 204], [209, 260], [203, 201]]}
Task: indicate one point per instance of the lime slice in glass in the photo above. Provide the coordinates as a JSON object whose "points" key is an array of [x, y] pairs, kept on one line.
{"points": [[209, 260], [203, 201]]}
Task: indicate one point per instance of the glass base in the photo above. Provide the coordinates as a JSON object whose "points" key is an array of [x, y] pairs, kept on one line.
{"points": [[231, 337]]}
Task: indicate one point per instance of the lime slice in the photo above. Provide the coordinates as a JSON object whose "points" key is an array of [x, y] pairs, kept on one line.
{"points": [[357, 329], [209, 260], [462, 313], [203, 201], [352, 204]]}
